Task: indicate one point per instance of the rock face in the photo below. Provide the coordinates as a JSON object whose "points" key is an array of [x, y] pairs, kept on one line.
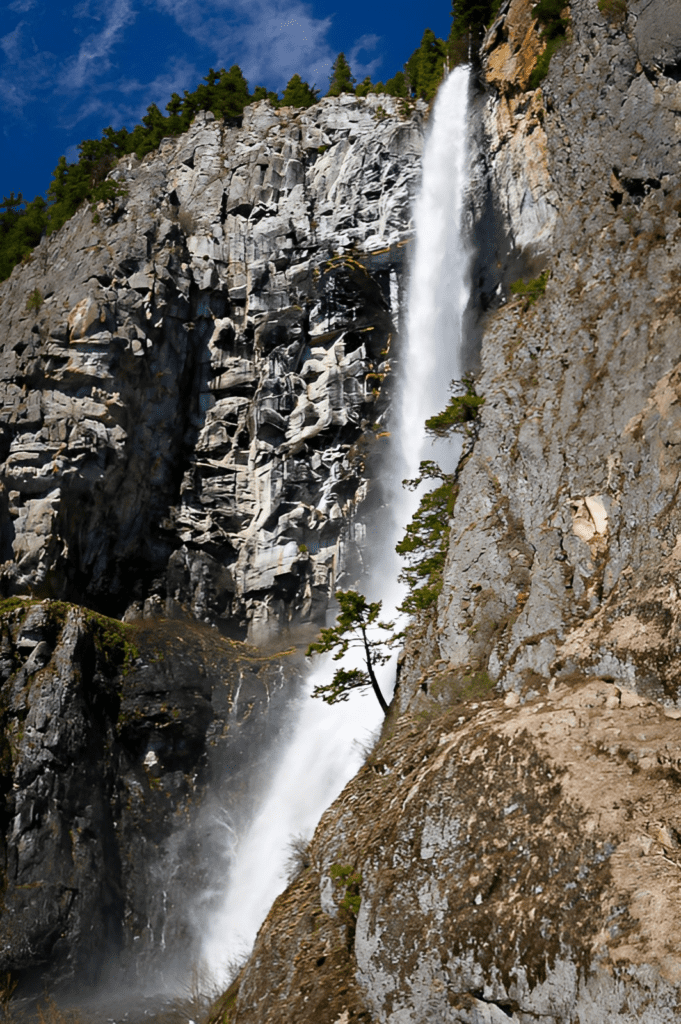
{"points": [[111, 736], [185, 382], [511, 849], [512, 865], [568, 511]]}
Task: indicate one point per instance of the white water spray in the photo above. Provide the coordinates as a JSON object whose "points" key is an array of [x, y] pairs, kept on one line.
{"points": [[439, 284], [323, 752]]}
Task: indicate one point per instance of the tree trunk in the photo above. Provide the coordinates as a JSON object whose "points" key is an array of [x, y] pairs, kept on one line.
{"points": [[372, 677]]}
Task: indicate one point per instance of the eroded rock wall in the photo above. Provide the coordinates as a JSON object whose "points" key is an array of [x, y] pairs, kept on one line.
{"points": [[564, 537], [126, 752], [184, 383]]}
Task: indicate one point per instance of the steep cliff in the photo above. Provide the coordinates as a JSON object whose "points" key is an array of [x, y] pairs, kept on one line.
{"points": [[111, 735], [191, 402], [187, 374], [511, 849]]}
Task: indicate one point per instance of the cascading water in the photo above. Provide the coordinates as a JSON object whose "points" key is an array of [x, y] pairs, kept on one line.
{"points": [[323, 752]]}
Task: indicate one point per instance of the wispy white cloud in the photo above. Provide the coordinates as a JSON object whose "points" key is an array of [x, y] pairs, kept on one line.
{"points": [[269, 41], [124, 101], [180, 76], [361, 68], [21, 6], [24, 70], [92, 58], [11, 44], [13, 97]]}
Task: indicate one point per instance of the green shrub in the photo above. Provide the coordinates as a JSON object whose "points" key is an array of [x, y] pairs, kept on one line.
{"points": [[461, 411], [541, 68], [530, 291], [345, 876], [34, 301], [549, 14]]}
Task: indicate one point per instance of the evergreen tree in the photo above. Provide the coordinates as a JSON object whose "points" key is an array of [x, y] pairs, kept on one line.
{"points": [[225, 93], [425, 67], [364, 87], [341, 77], [356, 627], [298, 93], [470, 18], [230, 93], [396, 86], [261, 93]]}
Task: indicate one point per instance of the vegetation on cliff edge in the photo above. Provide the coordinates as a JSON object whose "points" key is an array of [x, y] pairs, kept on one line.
{"points": [[426, 539], [225, 94]]}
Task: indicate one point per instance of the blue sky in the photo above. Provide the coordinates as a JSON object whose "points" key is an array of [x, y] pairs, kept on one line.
{"points": [[70, 68]]}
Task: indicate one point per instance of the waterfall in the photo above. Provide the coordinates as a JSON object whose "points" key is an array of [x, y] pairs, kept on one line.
{"points": [[439, 285], [323, 753]]}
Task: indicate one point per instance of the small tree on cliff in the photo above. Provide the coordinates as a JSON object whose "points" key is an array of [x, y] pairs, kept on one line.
{"points": [[341, 78], [356, 627], [299, 94]]}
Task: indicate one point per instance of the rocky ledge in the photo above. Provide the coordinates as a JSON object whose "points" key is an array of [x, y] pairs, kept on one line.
{"points": [[492, 861]]}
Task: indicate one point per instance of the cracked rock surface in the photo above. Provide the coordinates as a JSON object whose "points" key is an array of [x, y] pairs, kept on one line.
{"points": [[112, 735], [180, 414]]}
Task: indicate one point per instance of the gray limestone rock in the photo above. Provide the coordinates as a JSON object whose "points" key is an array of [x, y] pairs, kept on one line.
{"points": [[179, 416], [563, 538]]}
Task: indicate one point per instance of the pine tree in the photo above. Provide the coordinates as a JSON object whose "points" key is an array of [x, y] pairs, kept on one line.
{"points": [[341, 79], [396, 86], [470, 18], [364, 87], [356, 627], [298, 93], [425, 67]]}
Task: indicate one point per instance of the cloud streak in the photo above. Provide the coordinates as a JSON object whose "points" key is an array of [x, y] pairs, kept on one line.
{"points": [[92, 58], [361, 69], [270, 42]]}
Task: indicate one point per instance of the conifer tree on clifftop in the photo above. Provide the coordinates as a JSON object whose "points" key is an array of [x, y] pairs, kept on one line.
{"points": [[298, 93], [341, 79]]}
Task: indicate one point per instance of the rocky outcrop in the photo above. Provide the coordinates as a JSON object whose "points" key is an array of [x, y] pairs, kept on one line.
{"points": [[185, 381], [514, 863], [562, 549], [111, 736], [511, 849]]}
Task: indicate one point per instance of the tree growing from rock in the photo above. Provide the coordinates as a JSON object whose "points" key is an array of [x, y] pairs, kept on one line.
{"points": [[298, 93], [357, 628], [341, 77]]}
